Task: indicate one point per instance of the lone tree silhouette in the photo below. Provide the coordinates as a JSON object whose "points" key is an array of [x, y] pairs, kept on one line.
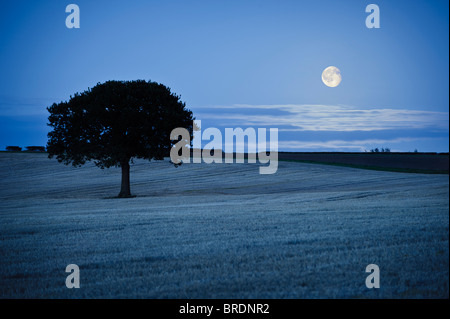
{"points": [[114, 122]]}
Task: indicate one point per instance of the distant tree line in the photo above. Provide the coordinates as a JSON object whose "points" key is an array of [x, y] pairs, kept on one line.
{"points": [[385, 150], [382, 150], [28, 148]]}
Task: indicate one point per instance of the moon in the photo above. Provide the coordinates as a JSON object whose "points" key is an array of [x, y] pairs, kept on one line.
{"points": [[331, 76]]}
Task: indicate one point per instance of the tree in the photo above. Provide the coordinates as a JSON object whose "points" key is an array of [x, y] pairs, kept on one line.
{"points": [[114, 122], [13, 148], [383, 150], [36, 148]]}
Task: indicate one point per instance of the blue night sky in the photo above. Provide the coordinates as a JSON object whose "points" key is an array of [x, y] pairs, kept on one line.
{"points": [[241, 64]]}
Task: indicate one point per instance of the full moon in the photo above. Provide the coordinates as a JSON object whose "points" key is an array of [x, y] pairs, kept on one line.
{"points": [[331, 76]]}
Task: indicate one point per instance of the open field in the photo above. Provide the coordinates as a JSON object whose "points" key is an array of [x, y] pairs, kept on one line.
{"points": [[220, 231], [430, 163]]}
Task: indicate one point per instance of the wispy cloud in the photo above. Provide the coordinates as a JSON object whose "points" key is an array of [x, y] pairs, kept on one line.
{"points": [[328, 117], [18, 106]]}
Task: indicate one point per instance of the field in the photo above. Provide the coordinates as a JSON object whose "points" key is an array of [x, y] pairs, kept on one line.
{"points": [[221, 231], [430, 163]]}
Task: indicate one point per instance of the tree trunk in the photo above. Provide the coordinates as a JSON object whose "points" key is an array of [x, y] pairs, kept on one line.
{"points": [[125, 187]]}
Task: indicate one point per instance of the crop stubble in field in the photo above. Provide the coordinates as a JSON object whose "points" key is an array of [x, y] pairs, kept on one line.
{"points": [[220, 231]]}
